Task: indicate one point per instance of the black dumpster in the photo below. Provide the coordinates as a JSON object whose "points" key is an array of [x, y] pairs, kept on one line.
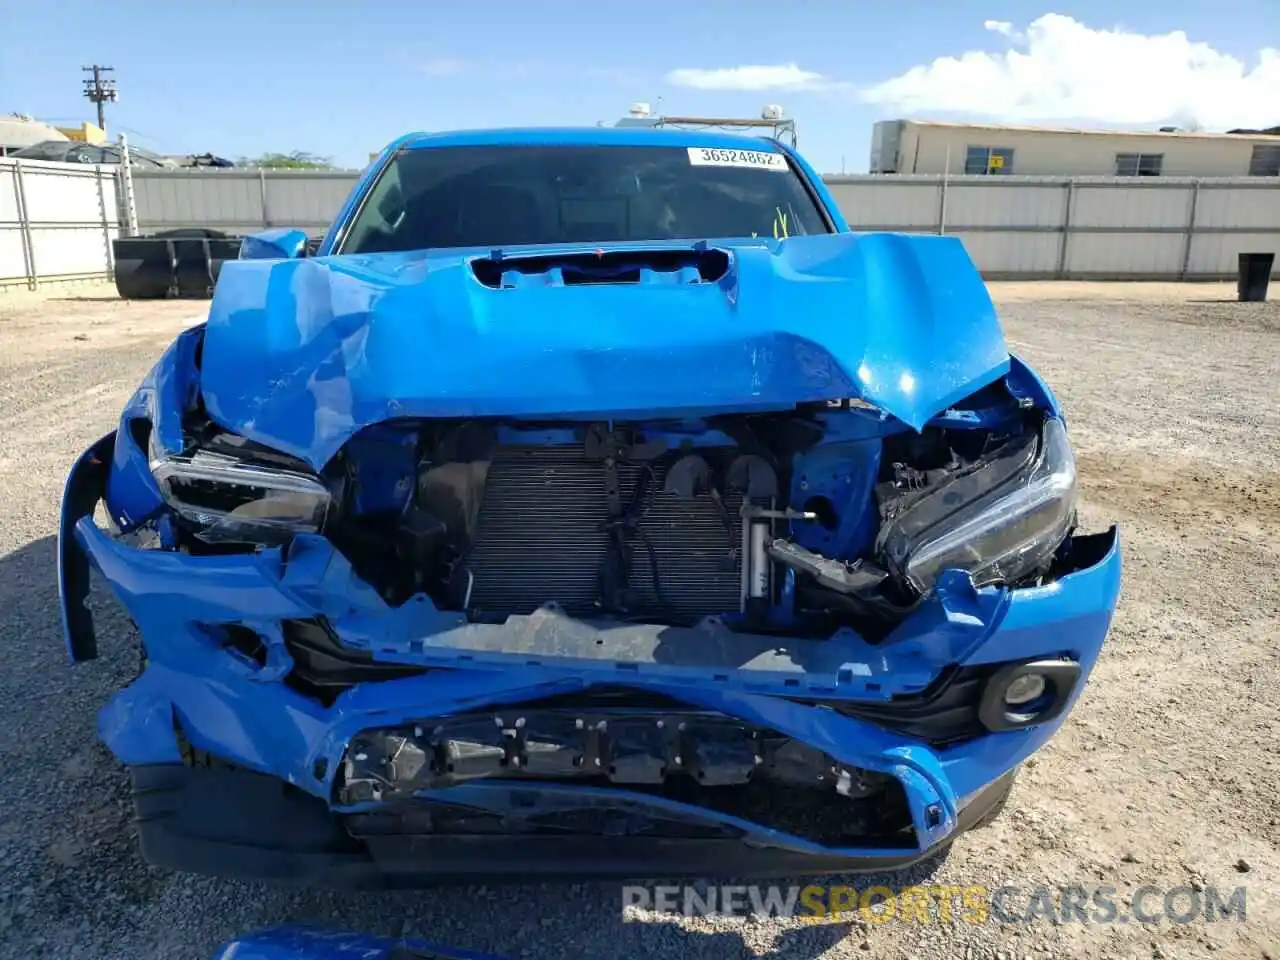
{"points": [[1254, 275], [174, 263]]}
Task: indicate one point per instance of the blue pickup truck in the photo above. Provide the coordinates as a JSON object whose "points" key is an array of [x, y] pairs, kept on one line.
{"points": [[588, 502]]}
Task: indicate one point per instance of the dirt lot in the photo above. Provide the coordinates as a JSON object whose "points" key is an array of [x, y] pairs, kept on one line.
{"points": [[1166, 775]]}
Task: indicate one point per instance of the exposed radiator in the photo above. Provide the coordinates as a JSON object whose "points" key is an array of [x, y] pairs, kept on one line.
{"points": [[540, 538]]}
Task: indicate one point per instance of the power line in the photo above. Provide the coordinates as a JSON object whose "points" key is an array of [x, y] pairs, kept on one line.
{"points": [[138, 134], [99, 90]]}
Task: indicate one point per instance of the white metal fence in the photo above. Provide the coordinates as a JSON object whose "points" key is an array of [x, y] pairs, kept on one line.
{"points": [[1153, 228], [239, 201], [57, 220]]}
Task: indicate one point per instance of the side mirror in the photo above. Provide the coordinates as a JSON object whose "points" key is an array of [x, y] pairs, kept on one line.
{"points": [[283, 243]]}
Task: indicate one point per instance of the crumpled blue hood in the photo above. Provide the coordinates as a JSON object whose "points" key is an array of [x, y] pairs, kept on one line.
{"points": [[301, 354]]}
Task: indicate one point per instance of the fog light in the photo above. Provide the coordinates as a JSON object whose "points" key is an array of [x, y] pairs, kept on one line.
{"points": [[1024, 689], [1020, 695]]}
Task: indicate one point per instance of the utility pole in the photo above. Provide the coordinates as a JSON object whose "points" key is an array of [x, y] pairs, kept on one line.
{"points": [[99, 90]]}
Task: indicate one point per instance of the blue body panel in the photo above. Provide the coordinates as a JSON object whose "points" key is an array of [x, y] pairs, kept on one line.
{"points": [[276, 243], [311, 943], [301, 354], [586, 136]]}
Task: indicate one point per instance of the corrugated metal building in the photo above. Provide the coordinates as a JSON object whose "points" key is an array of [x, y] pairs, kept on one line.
{"points": [[909, 146]]}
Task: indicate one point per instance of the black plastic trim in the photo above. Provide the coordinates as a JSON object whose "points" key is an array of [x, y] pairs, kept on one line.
{"points": [[324, 668], [943, 714], [85, 487]]}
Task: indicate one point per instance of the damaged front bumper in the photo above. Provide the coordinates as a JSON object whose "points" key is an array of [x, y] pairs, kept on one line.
{"points": [[416, 745]]}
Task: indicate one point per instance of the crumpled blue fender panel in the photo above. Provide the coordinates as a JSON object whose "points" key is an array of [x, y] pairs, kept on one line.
{"points": [[301, 354], [165, 394], [313, 943]]}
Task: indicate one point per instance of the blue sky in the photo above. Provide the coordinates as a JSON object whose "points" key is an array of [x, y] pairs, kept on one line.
{"points": [[239, 77]]}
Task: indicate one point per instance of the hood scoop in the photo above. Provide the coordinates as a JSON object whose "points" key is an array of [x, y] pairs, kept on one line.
{"points": [[688, 265]]}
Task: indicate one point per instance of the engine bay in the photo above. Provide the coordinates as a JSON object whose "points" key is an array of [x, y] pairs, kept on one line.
{"points": [[800, 522]]}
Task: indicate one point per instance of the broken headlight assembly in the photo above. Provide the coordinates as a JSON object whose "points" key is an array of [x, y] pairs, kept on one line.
{"points": [[1001, 519], [228, 490]]}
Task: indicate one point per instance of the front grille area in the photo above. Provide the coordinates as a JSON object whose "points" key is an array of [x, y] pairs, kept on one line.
{"points": [[541, 538], [702, 758]]}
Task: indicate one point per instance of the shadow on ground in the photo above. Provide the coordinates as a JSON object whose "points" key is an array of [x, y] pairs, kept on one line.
{"points": [[580, 920], [28, 589]]}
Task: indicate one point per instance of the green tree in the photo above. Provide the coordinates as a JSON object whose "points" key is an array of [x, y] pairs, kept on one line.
{"points": [[297, 160]]}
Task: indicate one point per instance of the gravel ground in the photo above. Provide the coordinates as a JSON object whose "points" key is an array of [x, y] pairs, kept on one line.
{"points": [[1167, 773]]}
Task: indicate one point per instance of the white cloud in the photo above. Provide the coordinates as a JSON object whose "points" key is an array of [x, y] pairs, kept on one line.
{"points": [[786, 76], [1064, 70], [1002, 27]]}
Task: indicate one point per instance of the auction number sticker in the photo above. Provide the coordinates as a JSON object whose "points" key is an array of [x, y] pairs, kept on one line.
{"points": [[756, 159]]}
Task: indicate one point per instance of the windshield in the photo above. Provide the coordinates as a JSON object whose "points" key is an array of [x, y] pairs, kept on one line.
{"points": [[515, 194]]}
